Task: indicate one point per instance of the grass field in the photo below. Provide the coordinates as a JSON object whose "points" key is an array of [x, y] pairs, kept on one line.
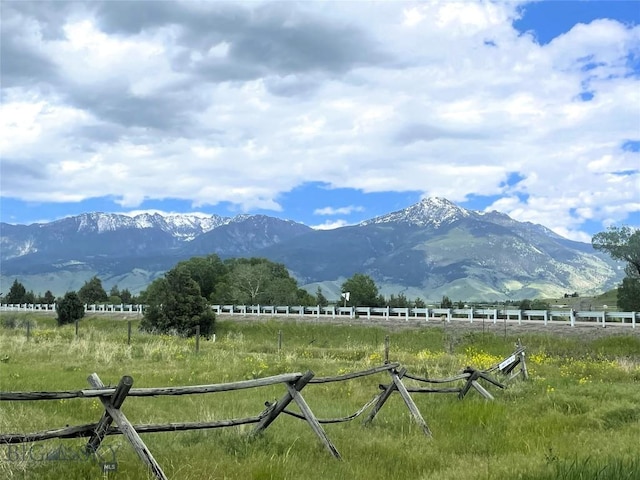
{"points": [[577, 417]]}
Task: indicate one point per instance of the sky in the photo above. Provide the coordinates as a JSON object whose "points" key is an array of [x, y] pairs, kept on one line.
{"points": [[323, 112]]}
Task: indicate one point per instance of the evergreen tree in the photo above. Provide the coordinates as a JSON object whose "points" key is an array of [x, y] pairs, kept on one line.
{"points": [[125, 296], [175, 304], [17, 293], [30, 297], [48, 298], [69, 309]]}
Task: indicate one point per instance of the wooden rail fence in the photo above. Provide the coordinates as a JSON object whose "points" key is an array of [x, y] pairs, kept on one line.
{"points": [[112, 400]]}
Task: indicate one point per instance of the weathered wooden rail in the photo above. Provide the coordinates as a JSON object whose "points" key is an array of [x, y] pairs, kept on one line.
{"points": [[112, 400], [511, 367]]}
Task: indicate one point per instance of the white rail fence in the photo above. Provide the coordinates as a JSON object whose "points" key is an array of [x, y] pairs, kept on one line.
{"points": [[545, 317]]}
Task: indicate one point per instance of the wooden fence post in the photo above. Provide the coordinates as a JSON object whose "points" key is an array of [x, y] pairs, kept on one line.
{"points": [[312, 420], [128, 431], [397, 384], [28, 330], [197, 338], [279, 340], [386, 349], [129, 332], [77, 321], [523, 366], [273, 411], [397, 380], [103, 425]]}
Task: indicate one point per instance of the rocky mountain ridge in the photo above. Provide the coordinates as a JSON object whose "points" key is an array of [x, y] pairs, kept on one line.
{"points": [[427, 250]]}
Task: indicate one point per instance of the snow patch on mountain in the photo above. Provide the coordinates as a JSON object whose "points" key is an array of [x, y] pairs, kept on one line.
{"points": [[182, 226]]}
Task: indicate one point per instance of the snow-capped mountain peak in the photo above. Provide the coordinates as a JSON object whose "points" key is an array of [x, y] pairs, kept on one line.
{"points": [[433, 211]]}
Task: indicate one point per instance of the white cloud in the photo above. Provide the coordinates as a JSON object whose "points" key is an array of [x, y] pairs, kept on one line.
{"points": [[242, 114], [338, 211]]}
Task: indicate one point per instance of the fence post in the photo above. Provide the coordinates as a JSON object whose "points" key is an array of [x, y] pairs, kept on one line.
{"points": [[77, 321], [197, 338], [129, 332], [28, 330], [117, 399], [386, 349], [128, 431], [272, 412], [279, 340]]}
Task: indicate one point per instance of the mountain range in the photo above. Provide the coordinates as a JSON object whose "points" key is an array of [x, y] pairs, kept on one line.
{"points": [[430, 249]]}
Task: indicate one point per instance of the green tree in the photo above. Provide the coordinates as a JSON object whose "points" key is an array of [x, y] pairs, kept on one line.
{"points": [[248, 282], [305, 298], [401, 301], [92, 292], [446, 302], [48, 298], [207, 271], [17, 293], [540, 305], [282, 291], [114, 296], [125, 296], [525, 304], [252, 281], [629, 295], [175, 305], [419, 303], [30, 297], [362, 290], [623, 243], [320, 298], [69, 309]]}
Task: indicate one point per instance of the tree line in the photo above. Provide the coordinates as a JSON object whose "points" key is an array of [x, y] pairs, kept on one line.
{"points": [[90, 293]]}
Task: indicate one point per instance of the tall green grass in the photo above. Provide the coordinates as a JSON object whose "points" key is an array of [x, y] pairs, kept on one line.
{"points": [[577, 417]]}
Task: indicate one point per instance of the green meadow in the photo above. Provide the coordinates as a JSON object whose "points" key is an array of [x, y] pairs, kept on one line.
{"points": [[576, 417]]}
